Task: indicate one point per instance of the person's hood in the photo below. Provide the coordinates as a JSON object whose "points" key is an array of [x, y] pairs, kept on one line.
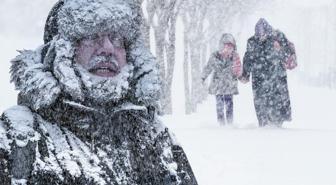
{"points": [[43, 75], [227, 39], [263, 26]]}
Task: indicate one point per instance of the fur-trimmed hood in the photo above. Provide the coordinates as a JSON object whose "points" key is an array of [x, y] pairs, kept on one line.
{"points": [[47, 73]]}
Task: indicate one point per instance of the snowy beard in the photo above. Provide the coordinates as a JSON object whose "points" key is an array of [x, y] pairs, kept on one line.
{"points": [[80, 84], [110, 60], [105, 90]]}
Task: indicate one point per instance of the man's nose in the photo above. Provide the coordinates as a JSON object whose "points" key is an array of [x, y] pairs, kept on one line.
{"points": [[106, 46]]}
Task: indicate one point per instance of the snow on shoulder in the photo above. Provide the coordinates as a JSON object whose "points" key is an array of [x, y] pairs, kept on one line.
{"points": [[21, 124]]}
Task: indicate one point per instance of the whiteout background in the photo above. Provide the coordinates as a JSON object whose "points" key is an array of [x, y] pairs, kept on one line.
{"points": [[303, 153]]}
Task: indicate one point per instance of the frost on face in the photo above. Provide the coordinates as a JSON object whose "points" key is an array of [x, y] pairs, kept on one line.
{"points": [[107, 89]]}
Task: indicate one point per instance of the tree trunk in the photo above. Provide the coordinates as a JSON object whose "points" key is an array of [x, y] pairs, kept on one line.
{"points": [[159, 50], [168, 109], [195, 76], [187, 94]]}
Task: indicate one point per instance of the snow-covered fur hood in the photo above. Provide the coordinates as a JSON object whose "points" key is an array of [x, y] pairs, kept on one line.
{"points": [[44, 74], [80, 18]]}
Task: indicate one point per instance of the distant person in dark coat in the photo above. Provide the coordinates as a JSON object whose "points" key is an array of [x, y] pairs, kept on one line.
{"points": [[269, 53]]}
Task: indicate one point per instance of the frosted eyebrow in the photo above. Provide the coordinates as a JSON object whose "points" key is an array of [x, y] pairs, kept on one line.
{"points": [[90, 37]]}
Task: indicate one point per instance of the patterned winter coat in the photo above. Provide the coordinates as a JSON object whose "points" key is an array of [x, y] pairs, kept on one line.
{"points": [[225, 71], [225, 74]]}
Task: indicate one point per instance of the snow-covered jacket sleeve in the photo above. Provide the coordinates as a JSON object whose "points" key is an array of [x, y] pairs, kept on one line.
{"points": [[249, 57], [208, 68], [18, 143]]}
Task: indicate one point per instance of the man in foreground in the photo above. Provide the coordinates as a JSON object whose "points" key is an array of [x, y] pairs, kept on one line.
{"points": [[87, 104]]}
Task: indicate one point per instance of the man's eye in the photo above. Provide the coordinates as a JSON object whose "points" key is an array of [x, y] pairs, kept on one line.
{"points": [[118, 42]]}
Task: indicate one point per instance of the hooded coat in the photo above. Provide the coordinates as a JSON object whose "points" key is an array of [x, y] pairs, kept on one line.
{"points": [[225, 71], [55, 135], [266, 64]]}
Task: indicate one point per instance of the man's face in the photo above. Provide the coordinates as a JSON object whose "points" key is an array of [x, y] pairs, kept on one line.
{"points": [[103, 55], [262, 34]]}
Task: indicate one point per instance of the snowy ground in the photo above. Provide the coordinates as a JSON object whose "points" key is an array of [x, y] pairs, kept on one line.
{"points": [[302, 153]]}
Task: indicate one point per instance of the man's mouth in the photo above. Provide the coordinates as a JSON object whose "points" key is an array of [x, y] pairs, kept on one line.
{"points": [[105, 70]]}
